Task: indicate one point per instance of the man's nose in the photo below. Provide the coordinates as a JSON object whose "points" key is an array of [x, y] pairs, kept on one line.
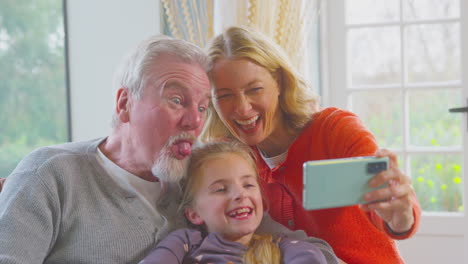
{"points": [[192, 119]]}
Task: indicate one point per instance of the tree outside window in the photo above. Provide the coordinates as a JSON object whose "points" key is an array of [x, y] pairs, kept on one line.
{"points": [[33, 86]]}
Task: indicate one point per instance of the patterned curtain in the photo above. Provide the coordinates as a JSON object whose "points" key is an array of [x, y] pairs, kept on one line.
{"points": [[191, 20], [288, 22]]}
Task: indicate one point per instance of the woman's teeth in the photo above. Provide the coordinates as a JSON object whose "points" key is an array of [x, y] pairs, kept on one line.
{"points": [[248, 121]]}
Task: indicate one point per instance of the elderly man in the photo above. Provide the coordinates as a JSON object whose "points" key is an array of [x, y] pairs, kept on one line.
{"points": [[103, 201], [94, 201]]}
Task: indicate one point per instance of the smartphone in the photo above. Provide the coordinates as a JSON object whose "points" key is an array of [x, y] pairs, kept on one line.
{"points": [[339, 182]]}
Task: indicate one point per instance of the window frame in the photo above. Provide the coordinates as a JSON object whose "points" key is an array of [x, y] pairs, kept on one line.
{"points": [[67, 70], [334, 93]]}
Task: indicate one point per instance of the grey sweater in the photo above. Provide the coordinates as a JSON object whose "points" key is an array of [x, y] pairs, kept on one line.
{"points": [[60, 206]]}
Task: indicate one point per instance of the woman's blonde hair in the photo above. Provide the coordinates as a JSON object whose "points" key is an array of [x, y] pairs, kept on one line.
{"points": [[262, 248], [297, 102]]}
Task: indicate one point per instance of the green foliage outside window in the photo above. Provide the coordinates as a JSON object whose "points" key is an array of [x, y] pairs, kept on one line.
{"points": [[33, 102], [437, 177], [437, 180]]}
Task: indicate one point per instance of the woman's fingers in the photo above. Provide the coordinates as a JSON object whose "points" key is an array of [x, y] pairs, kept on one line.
{"points": [[393, 202], [393, 191]]}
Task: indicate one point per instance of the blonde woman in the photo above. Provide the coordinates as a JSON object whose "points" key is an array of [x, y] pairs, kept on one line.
{"points": [[223, 203], [259, 99]]}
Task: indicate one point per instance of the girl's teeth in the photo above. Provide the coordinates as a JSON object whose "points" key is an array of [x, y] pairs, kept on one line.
{"points": [[240, 211], [244, 210]]}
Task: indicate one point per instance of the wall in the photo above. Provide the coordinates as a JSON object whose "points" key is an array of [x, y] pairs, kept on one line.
{"points": [[99, 34]]}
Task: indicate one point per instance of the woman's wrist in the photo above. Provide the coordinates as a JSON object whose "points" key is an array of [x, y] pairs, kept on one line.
{"points": [[403, 226]]}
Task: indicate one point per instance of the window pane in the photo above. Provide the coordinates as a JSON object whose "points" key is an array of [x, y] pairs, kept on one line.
{"points": [[374, 55], [371, 11], [32, 74], [381, 113], [433, 53], [431, 124], [437, 180], [430, 9]]}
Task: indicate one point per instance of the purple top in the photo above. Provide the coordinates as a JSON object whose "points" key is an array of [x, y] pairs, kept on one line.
{"points": [[186, 246]]}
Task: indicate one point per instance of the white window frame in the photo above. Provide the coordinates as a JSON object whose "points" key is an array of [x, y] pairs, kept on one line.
{"points": [[334, 83]]}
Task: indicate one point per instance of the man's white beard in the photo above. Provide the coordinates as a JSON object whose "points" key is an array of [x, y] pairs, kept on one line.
{"points": [[166, 167], [169, 169]]}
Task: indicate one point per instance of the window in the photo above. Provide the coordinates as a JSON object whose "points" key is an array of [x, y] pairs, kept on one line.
{"points": [[33, 101], [398, 65], [402, 74]]}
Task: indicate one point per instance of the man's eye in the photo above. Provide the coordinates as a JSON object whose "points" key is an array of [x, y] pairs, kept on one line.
{"points": [[176, 100], [220, 190]]}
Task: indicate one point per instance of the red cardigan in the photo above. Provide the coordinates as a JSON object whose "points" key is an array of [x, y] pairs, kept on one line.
{"points": [[355, 236]]}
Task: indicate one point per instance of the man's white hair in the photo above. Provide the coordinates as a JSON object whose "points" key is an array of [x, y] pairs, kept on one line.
{"points": [[134, 68]]}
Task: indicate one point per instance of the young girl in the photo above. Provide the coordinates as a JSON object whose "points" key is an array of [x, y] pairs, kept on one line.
{"points": [[223, 203]]}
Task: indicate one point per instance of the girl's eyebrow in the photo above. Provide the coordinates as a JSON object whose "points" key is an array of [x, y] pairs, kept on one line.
{"points": [[217, 181], [221, 181], [248, 176]]}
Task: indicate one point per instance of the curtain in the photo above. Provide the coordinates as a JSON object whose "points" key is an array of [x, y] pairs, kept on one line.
{"points": [[288, 22], [191, 20], [293, 24]]}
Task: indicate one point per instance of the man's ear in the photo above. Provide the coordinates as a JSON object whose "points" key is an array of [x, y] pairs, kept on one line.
{"points": [[122, 106], [193, 217]]}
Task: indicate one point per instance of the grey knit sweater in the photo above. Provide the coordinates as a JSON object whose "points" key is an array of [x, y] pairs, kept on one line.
{"points": [[60, 206]]}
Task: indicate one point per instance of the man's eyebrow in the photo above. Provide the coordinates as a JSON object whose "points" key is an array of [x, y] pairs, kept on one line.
{"points": [[176, 85]]}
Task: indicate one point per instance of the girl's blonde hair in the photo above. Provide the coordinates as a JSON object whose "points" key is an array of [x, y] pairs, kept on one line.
{"points": [[262, 248], [297, 102]]}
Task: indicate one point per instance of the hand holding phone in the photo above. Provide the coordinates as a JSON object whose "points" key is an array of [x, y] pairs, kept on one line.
{"points": [[339, 182]]}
